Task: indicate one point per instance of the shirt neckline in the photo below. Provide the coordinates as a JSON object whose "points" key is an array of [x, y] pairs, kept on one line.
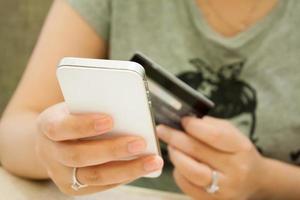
{"points": [[241, 38]]}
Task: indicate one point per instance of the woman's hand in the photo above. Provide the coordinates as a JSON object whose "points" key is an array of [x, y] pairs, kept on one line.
{"points": [[98, 161], [213, 144]]}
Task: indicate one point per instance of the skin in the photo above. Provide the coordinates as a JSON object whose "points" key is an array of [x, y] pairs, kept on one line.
{"points": [[47, 134], [231, 17], [214, 144]]}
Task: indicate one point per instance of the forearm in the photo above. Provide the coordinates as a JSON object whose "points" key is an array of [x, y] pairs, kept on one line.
{"points": [[17, 145], [280, 181]]}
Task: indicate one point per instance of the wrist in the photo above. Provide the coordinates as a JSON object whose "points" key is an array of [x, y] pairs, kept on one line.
{"points": [[277, 180], [263, 179]]}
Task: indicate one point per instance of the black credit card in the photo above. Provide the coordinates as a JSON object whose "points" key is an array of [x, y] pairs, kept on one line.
{"points": [[171, 98]]}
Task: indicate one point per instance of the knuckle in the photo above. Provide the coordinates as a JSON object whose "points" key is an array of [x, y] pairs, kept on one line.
{"points": [[242, 168], [74, 159], [79, 127], [51, 129], [201, 178], [112, 150], [247, 146], [196, 175], [71, 157], [94, 176], [206, 179], [115, 152]]}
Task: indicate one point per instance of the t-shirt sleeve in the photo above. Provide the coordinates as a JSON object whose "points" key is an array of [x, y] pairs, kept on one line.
{"points": [[96, 13]]}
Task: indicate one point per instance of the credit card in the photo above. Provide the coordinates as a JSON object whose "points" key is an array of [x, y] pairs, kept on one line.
{"points": [[171, 98]]}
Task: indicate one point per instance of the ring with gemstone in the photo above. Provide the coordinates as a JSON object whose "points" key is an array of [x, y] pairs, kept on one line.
{"points": [[213, 188], [76, 185]]}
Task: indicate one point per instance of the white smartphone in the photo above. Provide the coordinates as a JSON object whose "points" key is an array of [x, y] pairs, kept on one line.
{"points": [[117, 88]]}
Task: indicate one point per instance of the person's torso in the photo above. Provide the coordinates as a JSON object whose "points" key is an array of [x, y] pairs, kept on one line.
{"points": [[253, 77]]}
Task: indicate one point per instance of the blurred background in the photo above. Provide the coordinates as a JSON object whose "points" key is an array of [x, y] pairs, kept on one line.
{"points": [[20, 24]]}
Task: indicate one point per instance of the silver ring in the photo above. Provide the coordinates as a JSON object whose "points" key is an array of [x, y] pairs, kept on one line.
{"points": [[213, 188], [76, 185]]}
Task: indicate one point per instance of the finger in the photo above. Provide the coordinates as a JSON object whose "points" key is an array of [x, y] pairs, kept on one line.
{"points": [[62, 177], [95, 152], [192, 147], [189, 188], [216, 133], [59, 125], [67, 189], [197, 173], [121, 171]]}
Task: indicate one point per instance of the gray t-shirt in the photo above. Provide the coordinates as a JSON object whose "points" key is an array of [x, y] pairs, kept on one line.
{"points": [[254, 77]]}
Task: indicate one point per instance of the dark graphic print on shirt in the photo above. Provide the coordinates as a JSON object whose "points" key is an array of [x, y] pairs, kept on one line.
{"points": [[234, 98]]}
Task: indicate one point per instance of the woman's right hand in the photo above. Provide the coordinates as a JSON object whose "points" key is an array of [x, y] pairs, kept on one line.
{"points": [[97, 161]]}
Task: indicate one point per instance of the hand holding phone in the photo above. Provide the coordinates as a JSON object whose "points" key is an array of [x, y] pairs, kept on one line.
{"points": [[116, 88], [61, 148]]}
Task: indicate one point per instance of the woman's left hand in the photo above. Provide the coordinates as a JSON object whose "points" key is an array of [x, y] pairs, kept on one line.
{"points": [[213, 144]]}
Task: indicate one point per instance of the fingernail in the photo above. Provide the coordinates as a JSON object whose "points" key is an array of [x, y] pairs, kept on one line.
{"points": [[153, 164], [103, 124], [136, 146]]}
